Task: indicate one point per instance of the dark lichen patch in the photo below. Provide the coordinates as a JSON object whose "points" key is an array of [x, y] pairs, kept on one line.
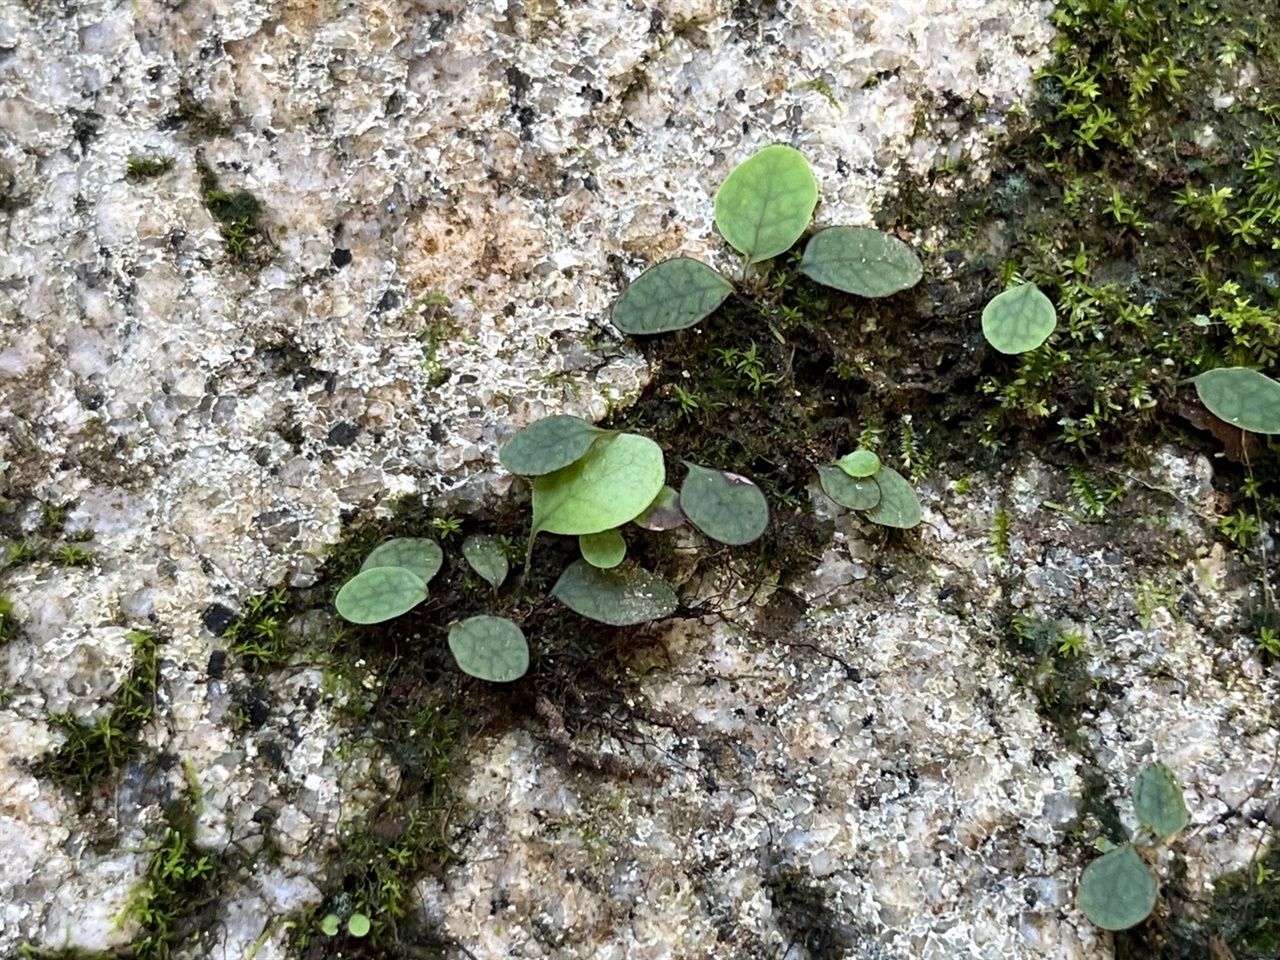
{"points": [[94, 753], [806, 914], [237, 212]]}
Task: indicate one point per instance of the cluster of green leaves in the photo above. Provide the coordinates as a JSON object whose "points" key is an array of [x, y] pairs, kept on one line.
{"points": [[358, 925], [393, 580], [1118, 890], [763, 207], [589, 483], [859, 481], [93, 752]]}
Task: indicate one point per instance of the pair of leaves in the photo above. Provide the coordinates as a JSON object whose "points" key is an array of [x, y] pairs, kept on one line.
{"points": [[490, 648], [392, 581], [860, 482], [1246, 398], [1117, 891], [761, 209]]}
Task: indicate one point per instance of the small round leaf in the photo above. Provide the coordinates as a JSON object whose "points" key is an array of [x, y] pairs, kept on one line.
{"points": [[899, 506], [623, 596], [1244, 397], [380, 593], [1158, 801], [664, 513], [1018, 320], [417, 555], [486, 557], [670, 296], [490, 648], [1117, 891], [358, 925], [765, 203], [859, 464], [861, 261], [329, 925], [548, 444], [723, 505], [604, 549], [855, 493], [612, 483]]}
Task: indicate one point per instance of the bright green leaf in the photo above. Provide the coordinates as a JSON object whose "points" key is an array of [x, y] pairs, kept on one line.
{"points": [[1244, 397], [380, 593], [859, 464], [861, 493], [899, 506], [490, 648], [611, 484], [549, 444], [664, 513], [625, 595], [1158, 801], [1117, 891], [486, 557], [670, 296], [861, 261], [329, 925], [358, 925], [417, 555], [723, 505], [1018, 320], [604, 549], [766, 202]]}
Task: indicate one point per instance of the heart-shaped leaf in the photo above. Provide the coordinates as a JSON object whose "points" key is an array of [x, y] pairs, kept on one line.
{"points": [[670, 296], [766, 202], [899, 506], [1117, 891], [1158, 801], [549, 444], [1018, 320], [861, 261], [856, 493], [380, 593], [625, 595], [417, 555], [723, 505], [664, 513], [1244, 397], [490, 648], [486, 557], [859, 464], [604, 549], [610, 484]]}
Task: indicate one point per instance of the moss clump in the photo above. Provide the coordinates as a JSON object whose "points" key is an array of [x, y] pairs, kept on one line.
{"points": [[8, 622], [94, 752], [139, 167], [238, 213], [807, 916]]}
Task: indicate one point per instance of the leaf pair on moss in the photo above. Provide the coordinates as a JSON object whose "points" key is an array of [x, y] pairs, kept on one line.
{"points": [[1117, 891], [762, 208], [392, 581], [859, 481]]}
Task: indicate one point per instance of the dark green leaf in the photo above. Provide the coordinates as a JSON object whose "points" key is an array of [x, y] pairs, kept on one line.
{"points": [[861, 493], [625, 595], [861, 261], [670, 296], [417, 555], [486, 557], [899, 506], [1117, 891], [380, 593], [549, 444], [723, 505]]}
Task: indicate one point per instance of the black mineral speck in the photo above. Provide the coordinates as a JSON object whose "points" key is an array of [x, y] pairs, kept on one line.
{"points": [[217, 664], [217, 618], [340, 257], [343, 434], [257, 706]]}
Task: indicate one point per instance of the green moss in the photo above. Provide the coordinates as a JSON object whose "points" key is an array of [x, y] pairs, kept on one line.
{"points": [[237, 212], [261, 636], [8, 623], [94, 752], [140, 167]]}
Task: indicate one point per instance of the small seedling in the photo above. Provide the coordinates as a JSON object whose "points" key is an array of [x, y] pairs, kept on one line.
{"points": [[71, 555], [329, 925], [861, 482], [358, 925], [1118, 890]]}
